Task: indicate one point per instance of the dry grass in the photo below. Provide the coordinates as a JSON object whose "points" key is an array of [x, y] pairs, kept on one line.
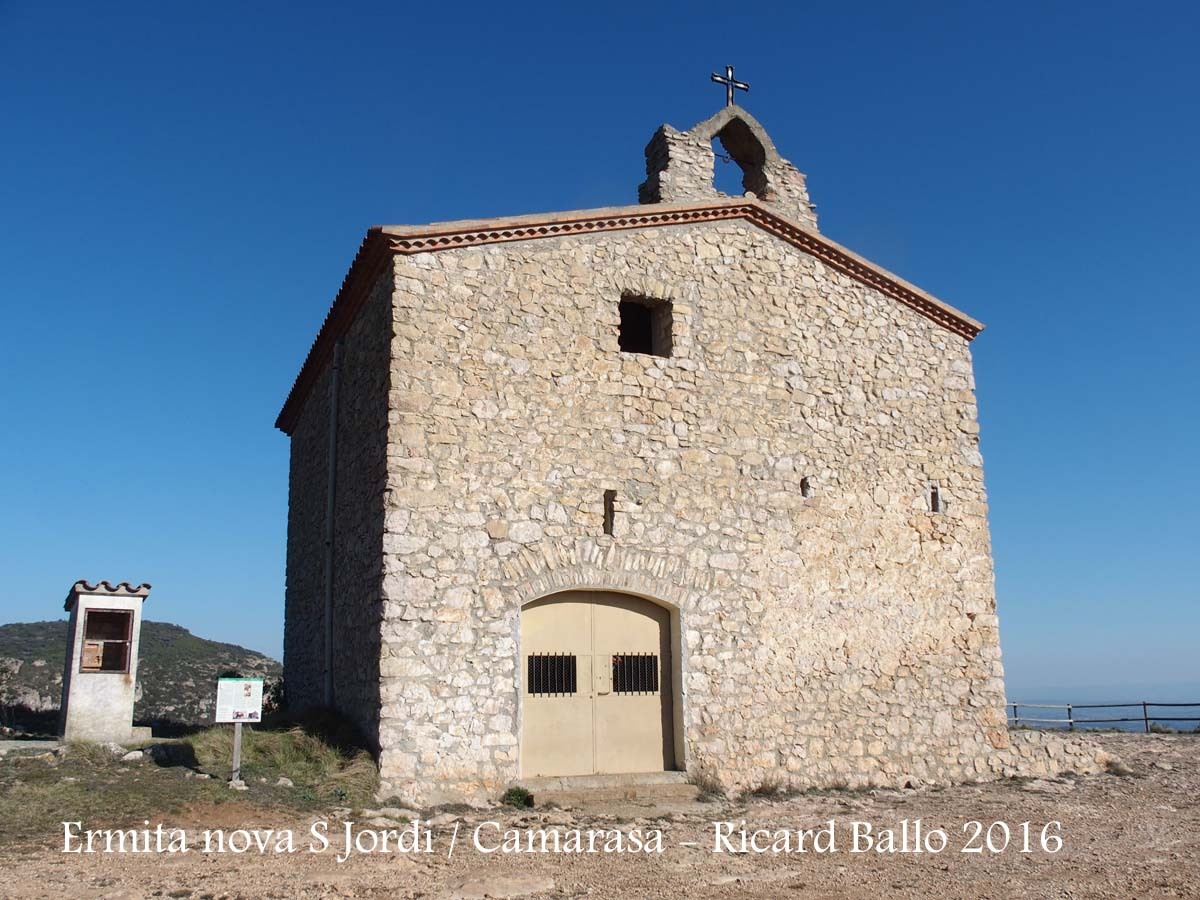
{"points": [[770, 789], [321, 771], [99, 756], [710, 786], [322, 758], [89, 784]]}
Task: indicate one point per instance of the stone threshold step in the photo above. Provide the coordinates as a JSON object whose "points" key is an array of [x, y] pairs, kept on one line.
{"points": [[581, 790], [586, 782]]}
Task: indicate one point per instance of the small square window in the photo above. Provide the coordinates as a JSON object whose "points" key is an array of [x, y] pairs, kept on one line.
{"points": [[635, 673], [107, 634], [645, 325], [552, 673]]}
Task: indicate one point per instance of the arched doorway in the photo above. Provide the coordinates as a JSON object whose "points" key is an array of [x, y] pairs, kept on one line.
{"points": [[596, 685]]}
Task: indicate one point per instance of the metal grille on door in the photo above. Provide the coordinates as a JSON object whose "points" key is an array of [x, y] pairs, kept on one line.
{"points": [[552, 674], [635, 673]]}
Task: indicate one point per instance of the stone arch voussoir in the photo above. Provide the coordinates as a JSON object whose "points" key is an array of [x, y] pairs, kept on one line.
{"points": [[588, 579], [667, 581]]}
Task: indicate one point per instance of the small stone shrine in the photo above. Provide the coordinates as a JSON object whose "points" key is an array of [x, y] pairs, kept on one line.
{"points": [[100, 676]]}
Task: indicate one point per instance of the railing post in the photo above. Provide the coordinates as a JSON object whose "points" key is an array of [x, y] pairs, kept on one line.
{"points": [[1145, 717], [1070, 718], [1016, 718]]}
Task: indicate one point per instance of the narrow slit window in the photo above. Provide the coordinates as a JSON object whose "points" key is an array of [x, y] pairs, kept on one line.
{"points": [[552, 674], [610, 511], [646, 325], [806, 489], [635, 673], [107, 635], [935, 499]]}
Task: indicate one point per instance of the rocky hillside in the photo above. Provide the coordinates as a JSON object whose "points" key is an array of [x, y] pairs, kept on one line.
{"points": [[177, 672]]}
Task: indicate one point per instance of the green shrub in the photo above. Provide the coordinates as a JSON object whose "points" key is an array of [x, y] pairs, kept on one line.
{"points": [[517, 797]]}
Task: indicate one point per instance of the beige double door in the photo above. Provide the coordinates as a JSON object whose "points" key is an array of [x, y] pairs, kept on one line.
{"points": [[595, 685]]}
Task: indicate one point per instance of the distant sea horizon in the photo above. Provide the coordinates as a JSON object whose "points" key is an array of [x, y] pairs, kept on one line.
{"points": [[1130, 694]]}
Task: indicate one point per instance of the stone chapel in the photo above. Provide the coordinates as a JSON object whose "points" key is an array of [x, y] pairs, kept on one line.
{"points": [[683, 486]]}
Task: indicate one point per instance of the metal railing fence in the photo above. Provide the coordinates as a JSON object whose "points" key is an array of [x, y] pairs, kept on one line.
{"points": [[1070, 721]]}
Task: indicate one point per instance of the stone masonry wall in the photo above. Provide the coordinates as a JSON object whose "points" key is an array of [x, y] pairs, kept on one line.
{"points": [[358, 525], [304, 611], [846, 638], [359, 510]]}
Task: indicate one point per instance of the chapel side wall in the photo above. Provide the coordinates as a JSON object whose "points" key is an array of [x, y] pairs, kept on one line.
{"points": [[358, 525], [849, 638], [304, 605], [359, 510]]}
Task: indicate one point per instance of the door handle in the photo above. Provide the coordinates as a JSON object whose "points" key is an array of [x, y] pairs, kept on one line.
{"points": [[603, 674]]}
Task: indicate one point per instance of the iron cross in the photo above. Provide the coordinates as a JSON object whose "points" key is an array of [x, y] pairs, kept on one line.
{"points": [[730, 84]]}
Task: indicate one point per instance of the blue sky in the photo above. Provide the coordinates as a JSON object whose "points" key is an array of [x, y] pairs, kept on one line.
{"points": [[183, 187]]}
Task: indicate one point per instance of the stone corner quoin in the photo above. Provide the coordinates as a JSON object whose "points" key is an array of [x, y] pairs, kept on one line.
{"points": [[456, 433]]}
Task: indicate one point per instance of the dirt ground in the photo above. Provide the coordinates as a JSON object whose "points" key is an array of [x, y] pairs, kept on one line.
{"points": [[1123, 836]]}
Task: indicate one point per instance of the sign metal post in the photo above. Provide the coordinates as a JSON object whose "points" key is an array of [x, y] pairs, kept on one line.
{"points": [[237, 752]]}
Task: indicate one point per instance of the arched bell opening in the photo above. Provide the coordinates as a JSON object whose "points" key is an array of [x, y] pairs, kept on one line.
{"points": [[737, 143]]}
